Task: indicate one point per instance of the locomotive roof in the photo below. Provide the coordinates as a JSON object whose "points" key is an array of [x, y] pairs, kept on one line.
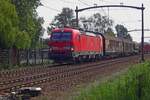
{"points": [[63, 29], [73, 29]]}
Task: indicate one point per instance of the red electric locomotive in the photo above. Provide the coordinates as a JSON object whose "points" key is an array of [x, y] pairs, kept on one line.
{"points": [[67, 44]]}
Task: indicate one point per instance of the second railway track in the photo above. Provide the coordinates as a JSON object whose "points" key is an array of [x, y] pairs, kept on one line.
{"points": [[51, 75]]}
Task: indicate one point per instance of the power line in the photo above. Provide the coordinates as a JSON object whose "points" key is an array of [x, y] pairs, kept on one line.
{"points": [[101, 9], [66, 1], [106, 1], [91, 5], [51, 8], [84, 3], [104, 12]]}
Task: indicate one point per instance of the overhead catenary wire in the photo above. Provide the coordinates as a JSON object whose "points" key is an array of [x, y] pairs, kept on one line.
{"points": [[106, 1], [84, 3], [66, 1], [104, 10], [73, 3], [51, 8], [91, 5], [101, 9]]}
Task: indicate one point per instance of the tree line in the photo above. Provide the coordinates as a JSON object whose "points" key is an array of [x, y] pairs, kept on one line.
{"points": [[96, 22], [20, 26]]}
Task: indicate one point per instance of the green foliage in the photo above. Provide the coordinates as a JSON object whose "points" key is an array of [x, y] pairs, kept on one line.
{"points": [[62, 19], [122, 32], [8, 24], [23, 40], [97, 23], [19, 23], [29, 22], [65, 17], [39, 31], [110, 32], [125, 87], [49, 29]]}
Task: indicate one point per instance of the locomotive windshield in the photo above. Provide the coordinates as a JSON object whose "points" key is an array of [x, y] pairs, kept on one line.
{"points": [[61, 36]]}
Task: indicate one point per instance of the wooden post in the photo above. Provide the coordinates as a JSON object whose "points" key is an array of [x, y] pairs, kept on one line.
{"points": [[27, 56]]}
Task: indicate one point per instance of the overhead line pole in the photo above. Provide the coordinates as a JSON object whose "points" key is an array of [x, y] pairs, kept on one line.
{"points": [[77, 21], [142, 37]]}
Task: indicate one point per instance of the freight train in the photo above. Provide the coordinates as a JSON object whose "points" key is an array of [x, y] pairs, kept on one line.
{"points": [[68, 44]]}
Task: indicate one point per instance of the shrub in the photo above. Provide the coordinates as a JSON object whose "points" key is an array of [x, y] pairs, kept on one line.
{"points": [[132, 85]]}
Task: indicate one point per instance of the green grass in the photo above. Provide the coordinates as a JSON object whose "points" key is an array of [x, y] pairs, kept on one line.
{"points": [[132, 85]]}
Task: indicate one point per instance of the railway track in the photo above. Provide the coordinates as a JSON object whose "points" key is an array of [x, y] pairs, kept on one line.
{"points": [[53, 75], [25, 71]]}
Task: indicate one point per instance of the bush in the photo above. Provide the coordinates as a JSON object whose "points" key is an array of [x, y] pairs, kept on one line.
{"points": [[133, 85]]}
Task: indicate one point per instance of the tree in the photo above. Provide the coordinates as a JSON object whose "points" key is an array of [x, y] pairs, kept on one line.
{"points": [[23, 40], [62, 19], [86, 23], [39, 31], [129, 37], [8, 24], [29, 22], [96, 22], [122, 32], [110, 32], [50, 27]]}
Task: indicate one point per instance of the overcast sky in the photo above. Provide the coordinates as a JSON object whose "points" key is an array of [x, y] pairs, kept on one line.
{"points": [[130, 18]]}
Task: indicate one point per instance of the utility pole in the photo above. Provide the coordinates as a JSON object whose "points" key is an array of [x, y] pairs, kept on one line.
{"points": [[142, 37], [77, 22]]}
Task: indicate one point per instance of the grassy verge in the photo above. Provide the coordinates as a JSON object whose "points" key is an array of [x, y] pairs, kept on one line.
{"points": [[132, 85]]}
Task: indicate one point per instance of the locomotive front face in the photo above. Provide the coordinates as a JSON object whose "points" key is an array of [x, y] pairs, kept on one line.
{"points": [[61, 46]]}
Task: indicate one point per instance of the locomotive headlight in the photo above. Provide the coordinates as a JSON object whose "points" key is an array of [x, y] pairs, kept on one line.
{"points": [[50, 49], [72, 49]]}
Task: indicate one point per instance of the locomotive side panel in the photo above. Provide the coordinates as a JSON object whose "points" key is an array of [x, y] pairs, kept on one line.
{"points": [[91, 45], [76, 41]]}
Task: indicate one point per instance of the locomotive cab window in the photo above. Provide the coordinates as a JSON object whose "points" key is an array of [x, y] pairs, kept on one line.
{"points": [[61, 36]]}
